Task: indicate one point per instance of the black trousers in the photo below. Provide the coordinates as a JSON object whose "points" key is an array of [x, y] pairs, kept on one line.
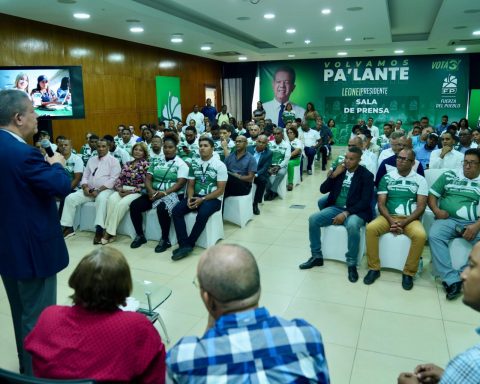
{"points": [[237, 187], [143, 204], [261, 182]]}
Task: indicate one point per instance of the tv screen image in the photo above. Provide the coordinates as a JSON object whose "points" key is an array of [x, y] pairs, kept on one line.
{"points": [[56, 92]]}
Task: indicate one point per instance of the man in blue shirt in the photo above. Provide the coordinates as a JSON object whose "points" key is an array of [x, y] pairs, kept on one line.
{"points": [[243, 343], [465, 367], [423, 153], [209, 111]]}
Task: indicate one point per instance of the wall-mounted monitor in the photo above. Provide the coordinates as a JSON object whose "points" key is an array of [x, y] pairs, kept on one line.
{"points": [[56, 91]]}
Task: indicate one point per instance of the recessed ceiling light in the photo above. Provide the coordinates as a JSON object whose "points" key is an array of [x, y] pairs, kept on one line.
{"points": [[326, 11], [338, 28], [291, 30], [269, 16], [342, 53], [136, 29], [308, 41], [206, 47], [348, 39], [242, 58], [460, 49], [399, 51], [81, 15], [291, 55], [166, 64], [177, 38], [476, 33]]}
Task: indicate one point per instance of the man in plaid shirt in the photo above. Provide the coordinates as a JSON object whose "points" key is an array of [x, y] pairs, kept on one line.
{"points": [[244, 343], [465, 367]]}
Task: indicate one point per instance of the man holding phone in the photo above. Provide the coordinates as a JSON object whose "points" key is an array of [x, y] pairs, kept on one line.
{"points": [[454, 200]]}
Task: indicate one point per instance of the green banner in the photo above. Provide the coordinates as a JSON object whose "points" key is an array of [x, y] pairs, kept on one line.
{"points": [[168, 98], [474, 109], [385, 88]]}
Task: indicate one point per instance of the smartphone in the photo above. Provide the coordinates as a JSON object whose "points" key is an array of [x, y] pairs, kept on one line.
{"points": [[460, 230]]}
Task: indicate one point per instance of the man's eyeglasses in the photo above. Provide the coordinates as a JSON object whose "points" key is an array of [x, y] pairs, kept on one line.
{"points": [[401, 158], [466, 163]]}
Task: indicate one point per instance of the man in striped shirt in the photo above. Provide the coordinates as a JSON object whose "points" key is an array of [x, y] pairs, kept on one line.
{"points": [[244, 343]]}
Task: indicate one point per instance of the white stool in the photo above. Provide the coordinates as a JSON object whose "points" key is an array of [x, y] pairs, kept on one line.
{"points": [[394, 250], [213, 230], [282, 187], [239, 209], [153, 230], [335, 243]]}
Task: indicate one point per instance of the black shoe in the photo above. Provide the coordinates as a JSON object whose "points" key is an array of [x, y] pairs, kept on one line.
{"points": [[407, 282], [181, 252], [352, 274], [312, 262], [139, 240], [454, 290], [162, 246], [371, 276], [256, 211], [268, 196]]}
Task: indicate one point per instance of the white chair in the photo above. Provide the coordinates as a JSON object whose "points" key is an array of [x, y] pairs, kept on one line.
{"points": [[153, 230], [459, 250], [213, 229], [305, 163], [296, 175], [431, 175], [238, 209], [126, 226], [335, 241], [393, 250], [87, 216], [282, 187]]}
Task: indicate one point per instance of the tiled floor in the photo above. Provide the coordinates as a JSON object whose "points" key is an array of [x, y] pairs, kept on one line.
{"points": [[371, 333]]}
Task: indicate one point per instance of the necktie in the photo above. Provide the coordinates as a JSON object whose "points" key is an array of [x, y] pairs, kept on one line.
{"points": [[280, 113]]}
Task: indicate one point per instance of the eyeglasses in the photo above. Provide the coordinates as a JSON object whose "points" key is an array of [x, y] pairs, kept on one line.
{"points": [[466, 163], [401, 158]]}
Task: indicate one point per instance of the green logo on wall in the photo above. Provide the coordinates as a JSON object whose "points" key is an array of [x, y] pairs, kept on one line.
{"points": [[169, 106]]}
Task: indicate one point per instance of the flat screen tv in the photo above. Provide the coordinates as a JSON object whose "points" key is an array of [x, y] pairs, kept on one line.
{"points": [[56, 91]]}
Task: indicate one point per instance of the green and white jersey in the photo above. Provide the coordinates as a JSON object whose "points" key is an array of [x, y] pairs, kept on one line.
{"points": [[194, 150], [85, 153], [251, 142], [127, 147], [166, 173], [288, 116], [74, 164], [341, 201], [458, 195], [206, 174], [366, 161], [280, 153], [218, 149], [120, 154], [402, 191]]}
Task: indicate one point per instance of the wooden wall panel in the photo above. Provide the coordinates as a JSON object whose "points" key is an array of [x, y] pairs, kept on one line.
{"points": [[118, 76]]}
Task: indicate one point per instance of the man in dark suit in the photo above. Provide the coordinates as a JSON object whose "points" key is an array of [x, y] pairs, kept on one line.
{"points": [[32, 248], [349, 204], [263, 157]]}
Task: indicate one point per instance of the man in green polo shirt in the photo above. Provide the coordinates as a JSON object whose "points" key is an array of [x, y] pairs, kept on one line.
{"points": [[402, 198], [454, 200]]}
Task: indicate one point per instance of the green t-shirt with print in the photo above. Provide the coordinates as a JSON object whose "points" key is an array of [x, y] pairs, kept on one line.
{"points": [[166, 173], [127, 147], [207, 174], [194, 150], [288, 116], [278, 152], [458, 195], [402, 191], [341, 201]]}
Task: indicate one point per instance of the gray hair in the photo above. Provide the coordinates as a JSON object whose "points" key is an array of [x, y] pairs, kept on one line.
{"points": [[397, 135], [12, 101]]}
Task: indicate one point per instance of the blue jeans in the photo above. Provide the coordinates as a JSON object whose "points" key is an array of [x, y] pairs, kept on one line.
{"points": [[206, 209], [441, 232], [310, 153], [324, 218]]}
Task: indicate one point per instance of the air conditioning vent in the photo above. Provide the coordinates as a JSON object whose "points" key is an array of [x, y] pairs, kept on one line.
{"points": [[226, 53]]}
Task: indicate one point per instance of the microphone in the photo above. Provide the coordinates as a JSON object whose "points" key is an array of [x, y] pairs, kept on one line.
{"points": [[46, 145]]}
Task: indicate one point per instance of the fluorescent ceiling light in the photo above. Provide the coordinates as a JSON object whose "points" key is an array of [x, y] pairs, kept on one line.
{"points": [[326, 11], [338, 28], [348, 39], [308, 41], [81, 15], [342, 53], [399, 51], [242, 58], [136, 29], [269, 16], [291, 30], [460, 49], [176, 39], [291, 55], [205, 47], [476, 33]]}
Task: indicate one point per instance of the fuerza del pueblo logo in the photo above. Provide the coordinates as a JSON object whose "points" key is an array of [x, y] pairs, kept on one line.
{"points": [[449, 86]]}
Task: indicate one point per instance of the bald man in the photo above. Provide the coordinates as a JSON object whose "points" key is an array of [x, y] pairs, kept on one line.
{"points": [[244, 343]]}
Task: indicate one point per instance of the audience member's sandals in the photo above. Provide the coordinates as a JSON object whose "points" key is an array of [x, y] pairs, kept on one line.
{"points": [[107, 238], [289, 187]]}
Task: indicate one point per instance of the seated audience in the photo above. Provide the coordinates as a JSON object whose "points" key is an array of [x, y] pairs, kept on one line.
{"points": [[226, 142], [243, 342], [155, 151], [165, 186], [476, 135], [147, 135], [280, 156], [73, 167], [454, 199], [198, 117], [296, 150], [311, 139], [118, 136], [465, 141], [420, 140], [241, 168], [254, 132], [349, 204], [97, 182], [374, 131], [369, 144], [120, 154], [127, 188], [447, 156], [209, 111], [326, 140], [384, 139], [188, 147], [440, 128], [386, 153], [465, 367], [94, 338], [368, 160], [127, 141], [263, 158], [87, 149], [423, 153], [206, 183], [402, 198]]}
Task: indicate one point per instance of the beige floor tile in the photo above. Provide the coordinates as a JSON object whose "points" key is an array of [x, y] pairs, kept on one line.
{"points": [[460, 337], [284, 256], [177, 324], [388, 296], [333, 289], [340, 362], [280, 280], [185, 298], [372, 367], [263, 235], [457, 311], [276, 303], [413, 337], [338, 324]]}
